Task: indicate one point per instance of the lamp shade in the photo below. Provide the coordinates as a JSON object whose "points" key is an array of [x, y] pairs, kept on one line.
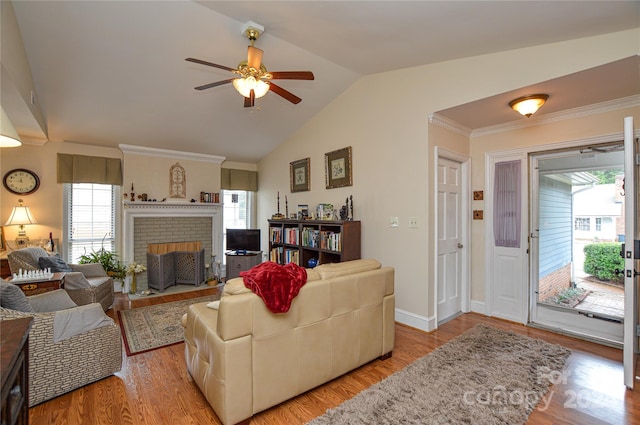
{"points": [[20, 215], [245, 85], [8, 135], [528, 105]]}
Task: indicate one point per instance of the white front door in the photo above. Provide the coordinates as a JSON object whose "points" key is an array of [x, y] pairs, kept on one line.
{"points": [[449, 279], [630, 253], [506, 272]]}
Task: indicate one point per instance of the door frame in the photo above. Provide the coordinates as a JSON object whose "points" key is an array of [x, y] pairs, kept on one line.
{"points": [[496, 156], [561, 319], [465, 205], [630, 341]]}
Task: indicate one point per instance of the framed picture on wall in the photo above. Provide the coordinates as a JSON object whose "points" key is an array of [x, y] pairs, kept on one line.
{"points": [[337, 166], [299, 175]]}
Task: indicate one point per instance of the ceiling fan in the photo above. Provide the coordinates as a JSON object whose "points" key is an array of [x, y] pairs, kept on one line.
{"points": [[253, 80]]}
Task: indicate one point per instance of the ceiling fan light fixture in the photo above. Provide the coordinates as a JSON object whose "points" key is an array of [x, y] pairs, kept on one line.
{"points": [[245, 85], [528, 105]]}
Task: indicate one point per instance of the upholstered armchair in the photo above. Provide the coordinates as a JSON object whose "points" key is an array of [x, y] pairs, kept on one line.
{"points": [[85, 283], [69, 346]]}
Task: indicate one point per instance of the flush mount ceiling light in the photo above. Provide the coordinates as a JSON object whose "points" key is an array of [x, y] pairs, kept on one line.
{"points": [[528, 105]]}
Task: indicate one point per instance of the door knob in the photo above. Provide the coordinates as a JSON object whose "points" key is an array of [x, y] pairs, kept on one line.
{"points": [[460, 245]]}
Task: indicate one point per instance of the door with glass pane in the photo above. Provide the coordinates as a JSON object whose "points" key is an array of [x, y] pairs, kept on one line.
{"points": [[577, 227]]}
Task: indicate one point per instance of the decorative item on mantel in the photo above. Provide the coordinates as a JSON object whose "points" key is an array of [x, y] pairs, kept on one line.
{"points": [[133, 269], [177, 181], [278, 216]]}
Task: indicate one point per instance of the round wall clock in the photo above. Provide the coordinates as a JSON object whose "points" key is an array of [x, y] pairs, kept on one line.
{"points": [[21, 181]]}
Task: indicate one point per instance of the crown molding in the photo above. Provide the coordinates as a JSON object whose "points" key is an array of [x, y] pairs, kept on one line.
{"points": [[166, 153], [583, 111], [449, 124]]}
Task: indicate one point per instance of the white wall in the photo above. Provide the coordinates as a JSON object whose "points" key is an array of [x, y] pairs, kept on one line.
{"points": [[384, 117]]}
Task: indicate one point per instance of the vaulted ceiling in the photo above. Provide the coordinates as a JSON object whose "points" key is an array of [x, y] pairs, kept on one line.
{"points": [[113, 72]]}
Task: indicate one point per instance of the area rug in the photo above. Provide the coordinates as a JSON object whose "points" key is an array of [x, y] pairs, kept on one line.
{"points": [[152, 327], [484, 376]]}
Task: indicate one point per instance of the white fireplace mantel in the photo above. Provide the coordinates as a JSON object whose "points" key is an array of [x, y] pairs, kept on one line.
{"points": [[133, 210]]}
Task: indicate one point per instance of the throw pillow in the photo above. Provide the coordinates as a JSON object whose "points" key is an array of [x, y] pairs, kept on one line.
{"points": [[12, 297], [55, 262]]}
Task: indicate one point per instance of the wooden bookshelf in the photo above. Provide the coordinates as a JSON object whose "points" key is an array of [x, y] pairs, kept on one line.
{"points": [[298, 241]]}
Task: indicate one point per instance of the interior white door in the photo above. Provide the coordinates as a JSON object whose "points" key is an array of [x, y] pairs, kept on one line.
{"points": [[630, 253], [449, 279]]}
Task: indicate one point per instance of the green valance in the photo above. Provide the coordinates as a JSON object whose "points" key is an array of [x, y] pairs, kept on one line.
{"points": [[89, 169], [231, 179]]}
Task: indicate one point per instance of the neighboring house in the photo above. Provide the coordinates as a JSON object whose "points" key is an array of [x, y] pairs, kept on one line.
{"points": [[597, 210]]}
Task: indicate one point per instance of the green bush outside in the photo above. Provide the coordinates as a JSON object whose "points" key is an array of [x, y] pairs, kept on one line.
{"points": [[602, 259]]}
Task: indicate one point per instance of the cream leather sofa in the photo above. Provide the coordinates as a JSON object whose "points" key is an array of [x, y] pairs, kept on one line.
{"points": [[246, 359]]}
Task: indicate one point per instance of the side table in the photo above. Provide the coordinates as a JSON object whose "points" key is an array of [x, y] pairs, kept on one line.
{"points": [[38, 287], [14, 373], [5, 271]]}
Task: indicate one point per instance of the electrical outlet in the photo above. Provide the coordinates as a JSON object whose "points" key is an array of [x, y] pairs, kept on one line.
{"points": [[413, 222], [393, 222]]}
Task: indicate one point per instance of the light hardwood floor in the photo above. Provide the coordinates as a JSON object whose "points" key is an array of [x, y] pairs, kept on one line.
{"points": [[155, 388]]}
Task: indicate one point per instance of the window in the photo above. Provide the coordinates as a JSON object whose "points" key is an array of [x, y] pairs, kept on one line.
{"points": [[90, 218], [582, 224], [598, 224], [236, 212]]}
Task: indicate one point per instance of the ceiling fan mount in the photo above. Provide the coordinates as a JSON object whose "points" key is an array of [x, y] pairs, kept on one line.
{"points": [[254, 81]]}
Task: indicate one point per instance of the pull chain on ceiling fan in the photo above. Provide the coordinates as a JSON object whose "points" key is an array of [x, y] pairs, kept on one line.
{"points": [[254, 81]]}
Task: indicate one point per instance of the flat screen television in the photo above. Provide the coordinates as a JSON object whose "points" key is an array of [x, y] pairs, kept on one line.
{"points": [[243, 240]]}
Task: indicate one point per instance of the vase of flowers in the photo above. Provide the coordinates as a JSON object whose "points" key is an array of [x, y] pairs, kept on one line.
{"points": [[133, 269]]}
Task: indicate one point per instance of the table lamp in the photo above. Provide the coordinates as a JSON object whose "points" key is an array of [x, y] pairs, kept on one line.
{"points": [[21, 216]]}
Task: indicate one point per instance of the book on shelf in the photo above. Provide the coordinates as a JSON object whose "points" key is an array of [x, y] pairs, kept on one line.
{"points": [[311, 237], [275, 234], [330, 241], [292, 256], [275, 254], [291, 236]]}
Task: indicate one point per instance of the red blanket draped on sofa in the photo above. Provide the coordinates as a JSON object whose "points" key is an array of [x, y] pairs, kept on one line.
{"points": [[277, 285]]}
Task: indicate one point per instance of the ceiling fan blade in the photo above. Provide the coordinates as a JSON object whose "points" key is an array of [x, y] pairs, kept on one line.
{"points": [[284, 93], [292, 75], [216, 84], [215, 65], [251, 100], [254, 57]]}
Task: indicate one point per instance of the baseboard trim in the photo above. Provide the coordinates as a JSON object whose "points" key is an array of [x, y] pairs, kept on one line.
{"points": [[478, 307], [426, 324]]}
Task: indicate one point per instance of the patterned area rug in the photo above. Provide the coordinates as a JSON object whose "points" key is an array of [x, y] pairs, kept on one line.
{"points": [[484, 376], [152, 327]]}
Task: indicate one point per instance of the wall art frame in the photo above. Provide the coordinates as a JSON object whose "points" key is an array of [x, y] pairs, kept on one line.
{"points": [[337, 168], [300, 175]]}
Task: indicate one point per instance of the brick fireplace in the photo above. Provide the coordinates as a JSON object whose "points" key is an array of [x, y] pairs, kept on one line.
{"points": [[160, 222]]}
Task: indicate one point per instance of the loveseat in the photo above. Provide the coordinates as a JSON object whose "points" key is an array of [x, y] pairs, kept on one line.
{"points": [[245, 359]]}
